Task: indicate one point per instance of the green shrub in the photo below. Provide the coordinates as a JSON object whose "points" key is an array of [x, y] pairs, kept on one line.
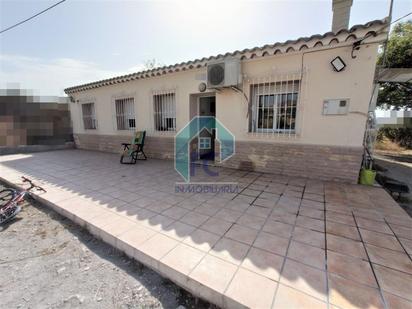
{"points": [[401, 136]]}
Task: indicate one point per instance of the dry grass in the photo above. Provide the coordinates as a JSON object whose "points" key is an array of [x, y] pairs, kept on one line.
{"points": [[387, 146]]}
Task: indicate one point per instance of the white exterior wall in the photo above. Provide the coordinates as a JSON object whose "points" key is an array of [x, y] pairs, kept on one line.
{"points": [[319, 82]]}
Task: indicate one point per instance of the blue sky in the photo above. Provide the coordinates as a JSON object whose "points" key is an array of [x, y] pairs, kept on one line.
{"points": [[82, 41]]}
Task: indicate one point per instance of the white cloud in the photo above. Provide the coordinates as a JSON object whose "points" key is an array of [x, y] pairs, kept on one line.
{"points": [[51, 77]]}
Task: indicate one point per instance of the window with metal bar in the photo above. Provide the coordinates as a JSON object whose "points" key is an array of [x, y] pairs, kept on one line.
{"points": [[89, 117], [125, 118], [274, 107], [205, 143], [164, 106]]}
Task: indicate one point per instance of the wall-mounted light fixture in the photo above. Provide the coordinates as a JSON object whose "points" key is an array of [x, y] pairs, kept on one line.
{"points": [[338, 64]]}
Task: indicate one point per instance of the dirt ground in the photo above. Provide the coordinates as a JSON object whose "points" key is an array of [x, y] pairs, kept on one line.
{"points": [[46, 261]]}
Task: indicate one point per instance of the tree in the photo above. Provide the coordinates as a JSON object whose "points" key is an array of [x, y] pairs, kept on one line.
{"points": [[398, 55], [152, 64]]}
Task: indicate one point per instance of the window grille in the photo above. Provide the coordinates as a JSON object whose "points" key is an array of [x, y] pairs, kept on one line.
{"points": [[89, 117], [273, 107], [276, 112], [205, 143], [125, 118], [164, 106]]}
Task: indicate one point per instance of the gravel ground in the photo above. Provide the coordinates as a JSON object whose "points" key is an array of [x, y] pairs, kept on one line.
{"points": [[46, 261]]}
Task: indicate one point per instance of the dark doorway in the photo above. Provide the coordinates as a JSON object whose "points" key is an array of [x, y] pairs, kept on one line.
{"points": [[206, 139]]}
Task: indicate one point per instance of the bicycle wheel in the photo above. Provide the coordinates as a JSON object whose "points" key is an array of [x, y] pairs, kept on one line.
{"points": [[6, 195], [9, 214]]}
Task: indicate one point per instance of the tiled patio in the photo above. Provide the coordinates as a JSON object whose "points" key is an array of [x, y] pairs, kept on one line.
{"points": [[280, 243]]}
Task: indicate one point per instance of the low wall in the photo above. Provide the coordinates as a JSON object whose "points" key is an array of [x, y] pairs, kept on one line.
{"points": [[4, 150], [155, 147], [311, 161]]}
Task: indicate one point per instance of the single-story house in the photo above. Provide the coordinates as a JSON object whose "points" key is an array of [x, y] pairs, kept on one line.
{"points": [[295, 108]]}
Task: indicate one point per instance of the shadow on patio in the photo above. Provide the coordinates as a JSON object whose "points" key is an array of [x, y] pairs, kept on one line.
{"points": [[278, 242]]}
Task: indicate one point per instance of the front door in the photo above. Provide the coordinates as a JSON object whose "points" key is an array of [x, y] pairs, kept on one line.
{"points": [[206, 140]]}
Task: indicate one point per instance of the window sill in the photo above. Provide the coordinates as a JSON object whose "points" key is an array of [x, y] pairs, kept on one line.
{"points": [[273, 135]]}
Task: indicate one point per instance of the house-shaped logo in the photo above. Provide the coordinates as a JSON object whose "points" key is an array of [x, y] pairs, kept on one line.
{"points": [[193, 130]]}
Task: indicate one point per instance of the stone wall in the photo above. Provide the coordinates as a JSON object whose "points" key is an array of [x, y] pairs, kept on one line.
{"points": [[311, 161]]}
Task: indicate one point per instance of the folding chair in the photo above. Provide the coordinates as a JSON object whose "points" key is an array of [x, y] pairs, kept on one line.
{"points": [[134, 150]]}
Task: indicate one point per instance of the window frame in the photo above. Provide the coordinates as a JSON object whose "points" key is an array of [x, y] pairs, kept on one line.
{"points": [[159, 100], [127, 116], [92, 117], [256, 103], [209, 142]]}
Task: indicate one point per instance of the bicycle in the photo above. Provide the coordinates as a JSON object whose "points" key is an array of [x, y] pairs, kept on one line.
{"points": [[11, 199]]}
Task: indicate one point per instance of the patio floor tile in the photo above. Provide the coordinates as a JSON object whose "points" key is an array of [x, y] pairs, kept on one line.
{"points": [[402, 232], [407, 244], [313, 204], [246, 281], [158, 222], [158, 246], [251, 221], [312, 224], [395, 302], [178, 230], [351, 268], [283, 216], [208, 209], [287, 297], [381, 240], [258, 211], [230, 250], [132, 239], [194, 219], [390, 258], [312, 213], [271, 243], [244, 199], [214, 273], [202, 240], [304, 278], [372, 225], [342, 230], [263, 263], [309, 237], [242, 234], [175, 212], [307, 254], [184, 265], [348, 294], [395, 282], [216, 226], [266, 203], [231, 253], [228, 215], [250, 192], [278, 228], [346, 246]]}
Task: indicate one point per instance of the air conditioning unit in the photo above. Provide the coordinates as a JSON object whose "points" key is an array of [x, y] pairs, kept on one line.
{"points": [[223, 73]]}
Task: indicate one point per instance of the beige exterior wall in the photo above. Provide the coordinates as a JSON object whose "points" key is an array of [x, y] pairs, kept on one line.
{"points": [[319, 82], [324, 147]]}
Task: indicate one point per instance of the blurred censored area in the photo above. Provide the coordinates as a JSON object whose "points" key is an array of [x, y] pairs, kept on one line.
{"points": [[33, 120]]}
